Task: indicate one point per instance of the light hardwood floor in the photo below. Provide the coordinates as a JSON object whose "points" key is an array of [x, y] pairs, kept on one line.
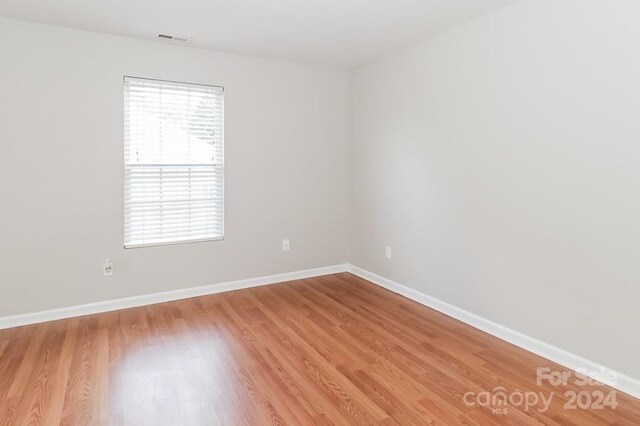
{"points": [[327, 350]]}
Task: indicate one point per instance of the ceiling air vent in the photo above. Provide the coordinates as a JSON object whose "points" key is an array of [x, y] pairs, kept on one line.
{"points": [[174, 38]]}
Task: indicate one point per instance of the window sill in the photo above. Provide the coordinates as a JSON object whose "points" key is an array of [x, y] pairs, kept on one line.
{"points": [[173, 243]]}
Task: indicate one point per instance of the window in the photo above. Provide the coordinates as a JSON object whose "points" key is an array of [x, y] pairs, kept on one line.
{"points": [[174, 165]]}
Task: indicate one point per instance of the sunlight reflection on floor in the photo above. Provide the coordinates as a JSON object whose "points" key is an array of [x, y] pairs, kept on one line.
{"points": [[174, 380]]}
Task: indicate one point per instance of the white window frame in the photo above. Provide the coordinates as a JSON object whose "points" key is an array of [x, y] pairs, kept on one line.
{"points": [[223, 170]]}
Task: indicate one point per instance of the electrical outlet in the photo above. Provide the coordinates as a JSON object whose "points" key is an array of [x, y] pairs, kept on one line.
{"points": [[107, 268], [285, 245], [387, 251]]}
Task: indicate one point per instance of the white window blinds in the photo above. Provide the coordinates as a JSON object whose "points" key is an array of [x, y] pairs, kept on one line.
{"points": [[174, 165]]}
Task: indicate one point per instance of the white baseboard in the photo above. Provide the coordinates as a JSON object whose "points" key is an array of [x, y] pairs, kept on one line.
{"points": [[574, 362], [624, 383], [167, 296]]}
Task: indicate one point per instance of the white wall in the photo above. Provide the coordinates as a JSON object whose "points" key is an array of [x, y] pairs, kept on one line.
{"points": [[61, 180], [501, 162]]}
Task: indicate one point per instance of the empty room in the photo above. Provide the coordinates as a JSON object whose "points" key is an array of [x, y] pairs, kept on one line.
{"points": [[320, 212]]}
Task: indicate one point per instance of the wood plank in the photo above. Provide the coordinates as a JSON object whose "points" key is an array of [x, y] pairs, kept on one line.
{"points": [[332, 350]]}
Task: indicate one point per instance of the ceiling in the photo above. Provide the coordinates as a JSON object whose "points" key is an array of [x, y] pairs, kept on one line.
{"points": [[341, 33]]}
